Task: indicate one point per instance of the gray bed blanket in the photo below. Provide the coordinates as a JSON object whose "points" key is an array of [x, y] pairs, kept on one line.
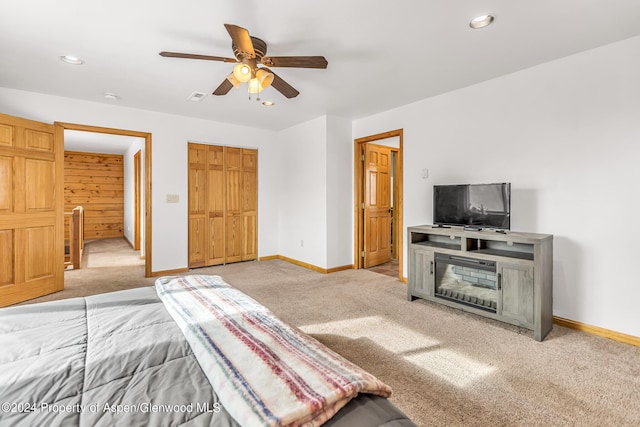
{"points": [[119, 359]]}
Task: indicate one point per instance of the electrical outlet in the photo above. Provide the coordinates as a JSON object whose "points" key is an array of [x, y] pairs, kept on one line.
{"points": [[301, 242]]}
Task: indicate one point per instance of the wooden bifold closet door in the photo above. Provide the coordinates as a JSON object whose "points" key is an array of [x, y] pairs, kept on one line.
{"points": [[223, 204]]}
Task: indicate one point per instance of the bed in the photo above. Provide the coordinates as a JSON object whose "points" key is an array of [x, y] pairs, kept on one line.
{"points": [[122, 359]]}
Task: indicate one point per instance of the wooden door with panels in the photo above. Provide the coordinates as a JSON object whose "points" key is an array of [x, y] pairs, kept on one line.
{"points": [[233, 192], [198, 213], [31, 210], [215, 202], [249, 204], [222, 204], [377, 205]]}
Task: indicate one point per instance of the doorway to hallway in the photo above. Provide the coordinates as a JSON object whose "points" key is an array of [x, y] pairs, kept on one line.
{"points": [[378, 201]]}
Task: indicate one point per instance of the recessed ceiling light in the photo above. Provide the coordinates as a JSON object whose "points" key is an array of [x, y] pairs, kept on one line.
{"points": [[268, 103], [71, 60], [111, 96], [481, 21]]}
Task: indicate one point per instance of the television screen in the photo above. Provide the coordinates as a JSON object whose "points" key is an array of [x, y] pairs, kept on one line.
{"points": [[473, 205]]}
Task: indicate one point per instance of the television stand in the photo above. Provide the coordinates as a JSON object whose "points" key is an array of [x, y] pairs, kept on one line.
{"points": [[503, 276]]}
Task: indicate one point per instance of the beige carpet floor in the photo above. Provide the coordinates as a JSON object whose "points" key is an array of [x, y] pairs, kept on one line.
{"points": [[446, 367]]}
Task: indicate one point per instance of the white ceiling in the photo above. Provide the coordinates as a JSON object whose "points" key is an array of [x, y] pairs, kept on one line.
{"points": [[381, 54]]}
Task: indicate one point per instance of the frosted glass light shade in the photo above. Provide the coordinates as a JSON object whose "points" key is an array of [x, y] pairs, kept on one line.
{"points": [[242, 72], [255, 86], [265, 78], [233, 80]]}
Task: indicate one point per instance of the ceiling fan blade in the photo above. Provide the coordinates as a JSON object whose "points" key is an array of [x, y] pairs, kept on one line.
{"points": [[295, 61], [224, 88], [281, 86], [194, 56], [242, 40]]}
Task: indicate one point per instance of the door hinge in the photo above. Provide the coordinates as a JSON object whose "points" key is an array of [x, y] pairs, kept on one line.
{"points": [[363, 157], [362, 254], [363, 205]]}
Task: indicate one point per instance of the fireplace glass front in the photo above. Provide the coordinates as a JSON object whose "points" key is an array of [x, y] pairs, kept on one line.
{"points": [[467, 281]]}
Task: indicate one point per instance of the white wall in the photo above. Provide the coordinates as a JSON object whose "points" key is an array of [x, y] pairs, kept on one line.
{"points": [[170, 134], [339, 192], [302, 212], [315, 202], [129, 192], [566, 135]]}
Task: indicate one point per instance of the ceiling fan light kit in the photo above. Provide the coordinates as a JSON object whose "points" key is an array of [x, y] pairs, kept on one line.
{"points": [[242, 73], [265, 78], [255, 86], [232, 78], [250, 52]]}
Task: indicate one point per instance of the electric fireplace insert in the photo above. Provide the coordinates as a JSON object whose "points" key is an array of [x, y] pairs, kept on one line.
{"points": [[466, 281]]}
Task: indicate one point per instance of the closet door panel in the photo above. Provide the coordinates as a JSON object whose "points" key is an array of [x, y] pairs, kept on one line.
{"points": [[198, 235], [250, 238], [216, 241], [216, 205], [197, 179], [223, 203], [197, 244], [233, 160], [234, 238], [250, 204], [233, 189], [216, 190]]}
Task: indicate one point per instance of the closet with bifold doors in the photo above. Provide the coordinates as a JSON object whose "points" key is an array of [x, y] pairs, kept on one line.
{"points": [[223, 204]]}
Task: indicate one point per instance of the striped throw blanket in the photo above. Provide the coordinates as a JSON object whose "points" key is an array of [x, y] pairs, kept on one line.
{"points": [[264, 371]]}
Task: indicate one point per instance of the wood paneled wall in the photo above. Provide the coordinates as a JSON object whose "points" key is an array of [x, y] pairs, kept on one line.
{"points": [[96, 182]]}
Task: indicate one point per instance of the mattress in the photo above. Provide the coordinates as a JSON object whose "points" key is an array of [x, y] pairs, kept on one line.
{"points": [[119, 359]]}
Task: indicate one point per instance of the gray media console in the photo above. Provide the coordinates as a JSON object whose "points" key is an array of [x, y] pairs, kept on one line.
{"points": [[505, 276]]}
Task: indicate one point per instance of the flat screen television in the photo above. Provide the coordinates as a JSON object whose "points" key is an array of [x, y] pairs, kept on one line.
{"points": [[473, 205]]}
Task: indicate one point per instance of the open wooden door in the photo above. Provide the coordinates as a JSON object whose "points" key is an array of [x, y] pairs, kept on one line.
{"points": [[31, 210], [377, 205]]}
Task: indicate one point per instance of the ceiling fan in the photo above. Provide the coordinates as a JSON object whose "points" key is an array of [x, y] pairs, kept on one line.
{"points": [[249, 53]]}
